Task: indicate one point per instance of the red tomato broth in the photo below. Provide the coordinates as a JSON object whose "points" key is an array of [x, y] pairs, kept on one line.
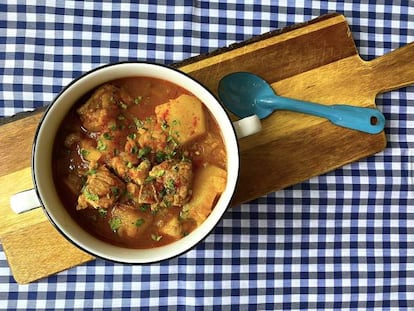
{"points": [[71, 168]]}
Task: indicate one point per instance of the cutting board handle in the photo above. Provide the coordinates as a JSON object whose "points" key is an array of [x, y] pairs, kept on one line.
{"points": [[393, 70]]}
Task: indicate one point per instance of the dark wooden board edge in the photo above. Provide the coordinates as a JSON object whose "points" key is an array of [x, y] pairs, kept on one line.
{"points": [[272, 33], [253, 39], [21, 115]]}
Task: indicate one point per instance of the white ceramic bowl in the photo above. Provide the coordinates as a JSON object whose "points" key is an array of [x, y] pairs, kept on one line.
{"points": [[42, 159]]}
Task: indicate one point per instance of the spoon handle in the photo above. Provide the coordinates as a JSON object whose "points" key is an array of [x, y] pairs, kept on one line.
{"points": [[368, 120]]}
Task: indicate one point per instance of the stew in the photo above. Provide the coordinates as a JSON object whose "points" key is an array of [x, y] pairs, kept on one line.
{"points": [[139, 162]]}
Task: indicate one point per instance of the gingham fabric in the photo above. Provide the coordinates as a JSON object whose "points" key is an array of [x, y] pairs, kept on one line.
{"points": [[344, 240]]}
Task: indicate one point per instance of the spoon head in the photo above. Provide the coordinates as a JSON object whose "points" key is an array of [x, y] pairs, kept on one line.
{"points": [[240, 91]]}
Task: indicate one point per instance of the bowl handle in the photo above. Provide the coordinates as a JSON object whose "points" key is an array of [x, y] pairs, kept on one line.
{"points": [[24, 201], [247, 126]]}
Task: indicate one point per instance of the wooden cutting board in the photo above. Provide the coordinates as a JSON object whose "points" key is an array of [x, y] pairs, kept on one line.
{"points": [[316, 61]]}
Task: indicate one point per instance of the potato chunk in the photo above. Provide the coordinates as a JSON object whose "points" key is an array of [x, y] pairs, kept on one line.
{"points": [[172, 228], [184, 116], [130, 222], [209, 182]]}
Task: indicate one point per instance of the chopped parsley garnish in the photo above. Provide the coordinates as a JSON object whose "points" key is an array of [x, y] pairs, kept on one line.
{"points": [[185, 159], [138, 123], [149, 179], [101, 145], [160, 156], [90, 196], [115, 223], [143, 152], [107, 136], [166, 202], [172, 154], [137, 100], [84, 152], [129, 195], [139, 222], [102, 212], [159, 173], [170, 185], [156, 237], [175, 122], [115, 191], [183, 214], [164, 125], [92, 171], [123, 105], [173, 142]]}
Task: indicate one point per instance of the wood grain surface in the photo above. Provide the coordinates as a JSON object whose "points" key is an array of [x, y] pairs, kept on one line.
{"points": [[316, 61]]}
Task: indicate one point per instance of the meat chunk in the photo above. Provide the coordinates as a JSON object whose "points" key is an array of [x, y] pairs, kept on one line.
{"points": [[122, 164], [128, 221], [133, 192], [173, 180], [103, 107], [127, 167], [140, 173], [148, 194], [151, 136], [101, 190]]}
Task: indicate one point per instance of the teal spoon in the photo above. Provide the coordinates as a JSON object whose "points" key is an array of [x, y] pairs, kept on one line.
{"points": [[246, 94]]}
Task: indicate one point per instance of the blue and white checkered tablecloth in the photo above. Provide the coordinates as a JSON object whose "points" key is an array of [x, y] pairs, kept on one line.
{"points": [[344, 240]]}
